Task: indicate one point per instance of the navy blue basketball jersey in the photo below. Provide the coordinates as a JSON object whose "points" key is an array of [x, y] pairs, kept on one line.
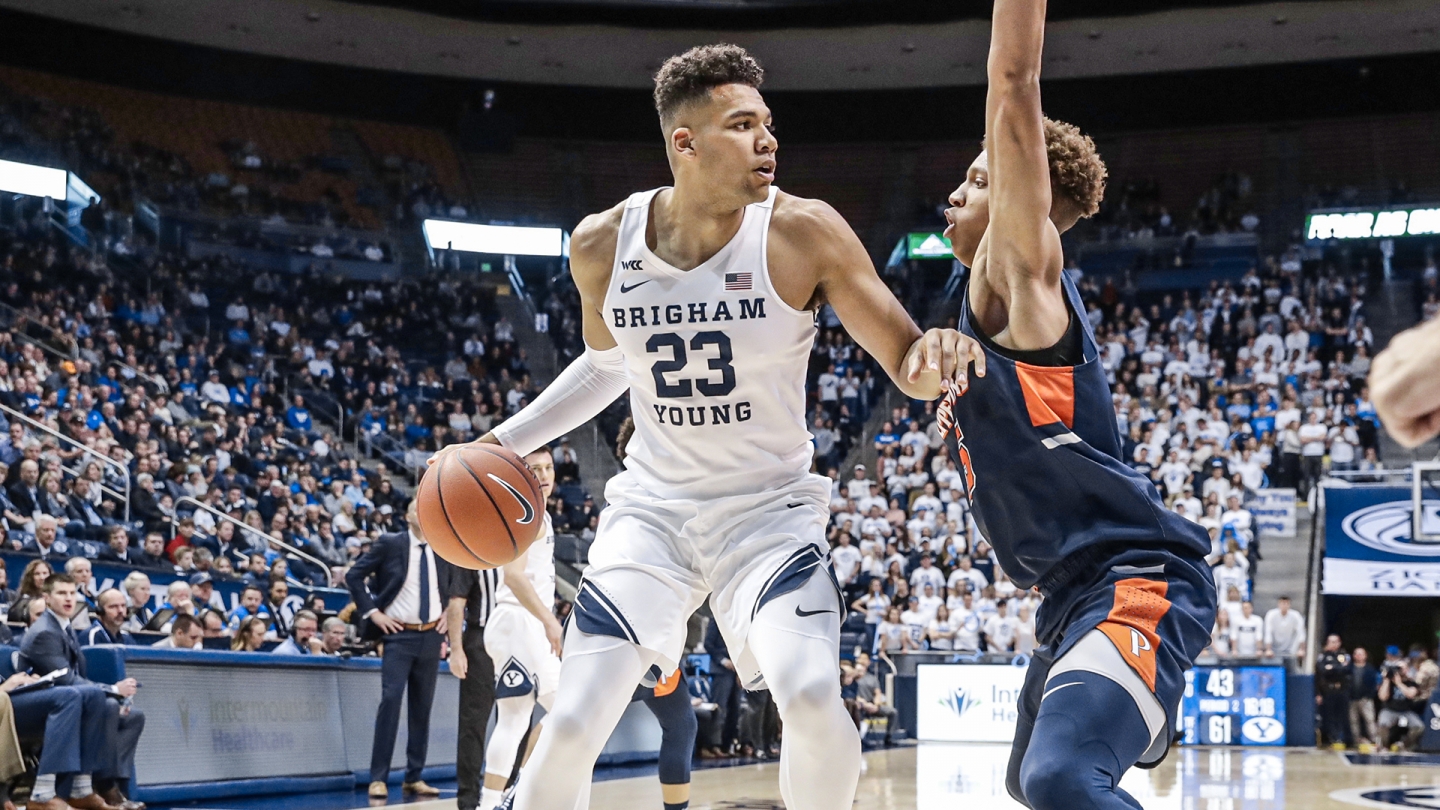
{"points": [[1040, 455]]}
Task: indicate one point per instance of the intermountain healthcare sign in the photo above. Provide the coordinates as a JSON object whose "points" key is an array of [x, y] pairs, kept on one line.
{"points": [[968, 702], [1368, 548]]}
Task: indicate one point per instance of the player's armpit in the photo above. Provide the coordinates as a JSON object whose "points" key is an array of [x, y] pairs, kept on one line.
{"points": [[809, 235]]}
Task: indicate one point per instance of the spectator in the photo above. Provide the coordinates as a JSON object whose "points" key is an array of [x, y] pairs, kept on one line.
{"points": [[109, 628], [137, 596], [1247, 636], [1363, 694], [892, 636], [32, 586], [1397, 695], [871, 702], [186, 633], [1284, 631], [1000, 629], [252, 605], [302, 640], [250, 636], [1313, 437], [845, 559], [332, 636]]}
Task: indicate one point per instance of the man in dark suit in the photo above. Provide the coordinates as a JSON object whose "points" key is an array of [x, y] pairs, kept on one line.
{"points": [[402, 604], [117, 547], [49, 646], [25, 493], [69, 746], [46, 543]]}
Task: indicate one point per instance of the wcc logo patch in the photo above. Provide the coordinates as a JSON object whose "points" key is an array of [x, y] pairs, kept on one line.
{"points": [[514, 681]]}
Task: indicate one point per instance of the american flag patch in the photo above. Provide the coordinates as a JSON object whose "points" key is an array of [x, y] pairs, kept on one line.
{"points": [[737, 281]]}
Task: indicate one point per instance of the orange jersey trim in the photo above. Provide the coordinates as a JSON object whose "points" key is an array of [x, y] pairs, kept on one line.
{"points": [[1049, 393], [1139, 606], [667, 684]]}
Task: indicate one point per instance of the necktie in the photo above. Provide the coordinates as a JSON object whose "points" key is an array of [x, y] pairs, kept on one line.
{"points": [[424, 584]]}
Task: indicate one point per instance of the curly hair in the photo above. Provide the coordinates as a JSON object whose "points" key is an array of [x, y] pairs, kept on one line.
{"points": [[1076, 170], [691, 75]]}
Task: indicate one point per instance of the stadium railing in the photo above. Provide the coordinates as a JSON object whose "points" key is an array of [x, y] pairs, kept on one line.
{"points": [[247, 531], [87, 451]]}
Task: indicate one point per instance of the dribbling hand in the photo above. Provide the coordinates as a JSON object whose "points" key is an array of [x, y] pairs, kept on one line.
{"points": [[488, 438]]}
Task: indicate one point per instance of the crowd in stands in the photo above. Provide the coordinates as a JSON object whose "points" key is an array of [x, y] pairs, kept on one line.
{"points": [[1373, 702]]}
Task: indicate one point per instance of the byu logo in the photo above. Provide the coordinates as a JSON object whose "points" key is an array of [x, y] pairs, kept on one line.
{"points": [[1262, 730], [513, 678]]}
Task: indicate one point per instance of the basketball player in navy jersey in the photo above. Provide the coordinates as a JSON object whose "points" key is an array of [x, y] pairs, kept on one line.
{"points": [[1129, 601], [700, 299]]}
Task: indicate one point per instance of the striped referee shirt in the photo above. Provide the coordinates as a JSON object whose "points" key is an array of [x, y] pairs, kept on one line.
{"points": [[477, 588]]}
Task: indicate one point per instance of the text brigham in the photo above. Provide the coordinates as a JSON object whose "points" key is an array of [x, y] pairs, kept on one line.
{"points": [[674, 314]]}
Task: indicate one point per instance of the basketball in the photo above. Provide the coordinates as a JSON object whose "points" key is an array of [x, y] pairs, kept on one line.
{"points": [[480, 507]]}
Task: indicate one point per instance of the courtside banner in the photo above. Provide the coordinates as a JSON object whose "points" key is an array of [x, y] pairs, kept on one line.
{"points": [[968, 702], [1368, 546]]}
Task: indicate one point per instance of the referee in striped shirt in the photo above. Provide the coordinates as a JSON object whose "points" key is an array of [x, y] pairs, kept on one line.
{"points": [[470, 598]]}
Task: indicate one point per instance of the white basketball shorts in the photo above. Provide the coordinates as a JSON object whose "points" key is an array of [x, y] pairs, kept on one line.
{"points": [[524, 663], [654, 560]]}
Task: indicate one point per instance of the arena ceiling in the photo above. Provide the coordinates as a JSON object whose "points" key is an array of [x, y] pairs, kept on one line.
{"points": [[806, 45]]}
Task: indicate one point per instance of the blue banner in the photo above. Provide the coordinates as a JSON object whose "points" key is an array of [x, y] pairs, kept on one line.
{"points": [[1369, 550]]}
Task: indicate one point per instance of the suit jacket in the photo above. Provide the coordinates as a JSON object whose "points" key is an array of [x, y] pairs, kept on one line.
{"points": [[48, 647], [377, 577], [59, 550], [25, 503]]}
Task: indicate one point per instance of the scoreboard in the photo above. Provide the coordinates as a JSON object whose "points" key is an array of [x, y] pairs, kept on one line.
{"points": [[1239, 705]]}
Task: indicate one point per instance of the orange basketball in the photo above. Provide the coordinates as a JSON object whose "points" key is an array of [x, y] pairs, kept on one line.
{"points": [[480, 506]]}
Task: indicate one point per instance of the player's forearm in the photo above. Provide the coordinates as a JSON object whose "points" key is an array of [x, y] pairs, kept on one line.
{"points": [[582, 390], [1017, 37], [525, 592], [455, 622]]}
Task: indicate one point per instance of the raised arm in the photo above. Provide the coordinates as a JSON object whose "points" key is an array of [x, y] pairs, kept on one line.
{"points": [[1015, 141], [1023, 252]]}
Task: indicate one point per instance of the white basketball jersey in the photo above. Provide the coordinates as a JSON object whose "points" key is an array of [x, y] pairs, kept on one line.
{"points": [[539, 568], [716, 361]]}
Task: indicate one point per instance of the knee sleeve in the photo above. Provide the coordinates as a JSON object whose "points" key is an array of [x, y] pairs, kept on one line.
{"points": [[512, 720], [678, 728]]}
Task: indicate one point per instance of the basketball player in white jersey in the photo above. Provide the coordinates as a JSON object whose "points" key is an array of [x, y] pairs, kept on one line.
{"points": [[700, 299], [523, 638]]}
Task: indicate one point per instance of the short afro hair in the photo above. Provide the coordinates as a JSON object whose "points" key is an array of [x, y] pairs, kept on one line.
{"points": [[691, 75], [1076, 170]]}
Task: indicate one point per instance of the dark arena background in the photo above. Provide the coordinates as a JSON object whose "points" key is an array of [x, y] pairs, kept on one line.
{"points": [[261, 259]]}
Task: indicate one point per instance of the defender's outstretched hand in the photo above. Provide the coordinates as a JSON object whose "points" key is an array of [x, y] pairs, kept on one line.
{"points": [[948, 353]]}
